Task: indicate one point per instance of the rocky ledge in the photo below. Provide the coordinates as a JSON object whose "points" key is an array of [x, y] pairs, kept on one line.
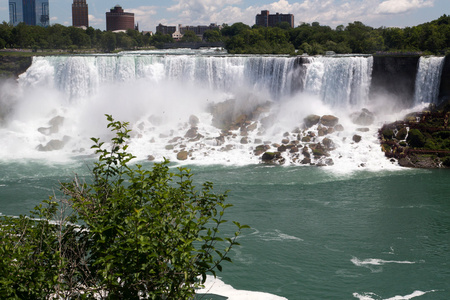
{"points": [[420, 140]]}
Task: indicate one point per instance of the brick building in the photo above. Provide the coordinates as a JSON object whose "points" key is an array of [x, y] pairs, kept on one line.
{"points": [[198, 30], [118, 19], [265, 19], [166, 29], [80, 16]]}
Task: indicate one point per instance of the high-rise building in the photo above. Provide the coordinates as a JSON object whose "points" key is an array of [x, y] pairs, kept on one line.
{"points": [[267, 20], [118, 19], [30, 12], [80, 16]]}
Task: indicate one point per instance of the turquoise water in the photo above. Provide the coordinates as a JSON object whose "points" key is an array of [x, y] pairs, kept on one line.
{"points": [[315, 234]]}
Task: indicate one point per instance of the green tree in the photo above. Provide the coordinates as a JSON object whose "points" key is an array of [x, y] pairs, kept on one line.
{"points": [[108, 41], [212, 35], [190, 37]]}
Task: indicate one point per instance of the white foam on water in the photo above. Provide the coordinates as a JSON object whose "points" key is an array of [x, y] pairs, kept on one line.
{"points": [[377, 262], [373, 296], [218, 287]]}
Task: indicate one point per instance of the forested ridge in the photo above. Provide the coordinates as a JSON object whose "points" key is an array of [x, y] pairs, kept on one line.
{"points": [[428, 38]]}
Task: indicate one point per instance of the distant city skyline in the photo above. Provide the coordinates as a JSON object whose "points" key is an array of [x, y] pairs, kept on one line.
{"points": [[375, 13]]}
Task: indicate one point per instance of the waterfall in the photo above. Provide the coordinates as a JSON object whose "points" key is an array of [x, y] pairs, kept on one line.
{"points": [[428, 80], [218, 108], [340, 81]]}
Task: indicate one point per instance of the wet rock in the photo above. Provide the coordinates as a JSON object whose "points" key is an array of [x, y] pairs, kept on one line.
{"points": [[53, 145], [261, 149], [322, 131], [329, 120], [272, 158], [311, 120], [169, 147], [182, 155], [356, 138], [150, 158], [339, 127], [252, 127], [244, 140], [306, 139], [364, 117], [54, 123], [193, 121], [191, 133], [363, 129], [329, 162], [281, 148], [220, 140], [174, 140], [328, 144], [198, 137], [305, 152], [306, 161], [285, 141], [294, 149], [318, 150]]}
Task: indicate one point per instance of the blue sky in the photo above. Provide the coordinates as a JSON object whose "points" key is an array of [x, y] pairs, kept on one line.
{"points": [[375, 13]]}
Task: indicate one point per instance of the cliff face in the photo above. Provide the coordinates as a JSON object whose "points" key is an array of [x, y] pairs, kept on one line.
{"points": [[444, 91], [394, 77], [13, 66]]}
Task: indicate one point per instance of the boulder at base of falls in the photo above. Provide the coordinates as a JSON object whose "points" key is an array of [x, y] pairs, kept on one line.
{"points": [[357, 138], [191, 133], [318, 150], [55, 123], [328, 144], [329, 121], [53, 145], [364, 117], [272, 158], [182, 155], [260, 149], [339, 127], [311, 120], [193, 121]]}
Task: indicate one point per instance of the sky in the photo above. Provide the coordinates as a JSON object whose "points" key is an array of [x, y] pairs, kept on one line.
{"points": [[149, 13]]}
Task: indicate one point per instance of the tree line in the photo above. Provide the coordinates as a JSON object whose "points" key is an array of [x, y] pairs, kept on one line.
{"points": [[429, 38]]}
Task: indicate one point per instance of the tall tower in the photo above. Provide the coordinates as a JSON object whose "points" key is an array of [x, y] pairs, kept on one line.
{"points": [[30, 12], [80, 16]]}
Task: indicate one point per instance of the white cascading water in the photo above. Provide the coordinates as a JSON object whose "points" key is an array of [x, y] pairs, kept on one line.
{"points": [[341, 81], [428, 79], [62, 100]]}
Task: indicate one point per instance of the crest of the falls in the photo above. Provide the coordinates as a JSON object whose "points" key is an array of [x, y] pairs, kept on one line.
{"points": [[428, 79]]}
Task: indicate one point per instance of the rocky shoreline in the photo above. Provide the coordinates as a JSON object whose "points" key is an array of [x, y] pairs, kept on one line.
{"points": [[420, 140]]}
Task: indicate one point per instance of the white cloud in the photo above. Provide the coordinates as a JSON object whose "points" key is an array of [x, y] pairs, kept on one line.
{"points": [[95, 22], [402, 6], [143, 15], [327, 12]]}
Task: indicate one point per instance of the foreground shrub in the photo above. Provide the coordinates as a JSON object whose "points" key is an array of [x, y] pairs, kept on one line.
{"points": [[142, 234]]}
